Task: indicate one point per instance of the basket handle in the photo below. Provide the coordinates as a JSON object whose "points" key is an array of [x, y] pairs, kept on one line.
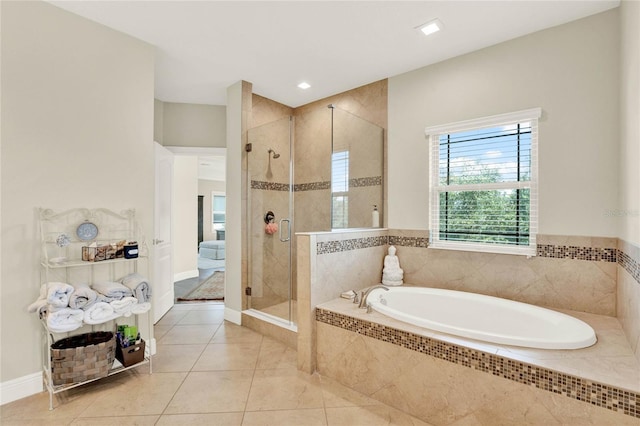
{"points": [[133, 349]]}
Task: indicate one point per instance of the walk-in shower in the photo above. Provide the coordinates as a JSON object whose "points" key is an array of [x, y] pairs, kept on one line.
{"points": [[270, 216], [329, 166]]}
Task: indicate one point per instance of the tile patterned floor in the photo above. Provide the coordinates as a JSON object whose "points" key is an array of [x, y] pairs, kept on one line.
{"points": [[211, 372]]}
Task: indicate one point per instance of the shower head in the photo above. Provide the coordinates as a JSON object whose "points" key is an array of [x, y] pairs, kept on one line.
{"points": [[275, 154]]}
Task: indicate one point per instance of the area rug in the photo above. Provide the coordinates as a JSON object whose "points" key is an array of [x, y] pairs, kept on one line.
{"points": [[211, 289]]}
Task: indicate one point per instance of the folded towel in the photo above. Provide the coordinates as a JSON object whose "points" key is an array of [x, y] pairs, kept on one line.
{"points": [[139, 285], [111, 289], [82, 297], [39, 306], [140, 308], [99, 312], [56, 293], [124, 305], [65, 319]]}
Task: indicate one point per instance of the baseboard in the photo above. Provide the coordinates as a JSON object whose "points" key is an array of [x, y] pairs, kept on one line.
{"points": [[233, 316], [185, 275], [21, 387]]}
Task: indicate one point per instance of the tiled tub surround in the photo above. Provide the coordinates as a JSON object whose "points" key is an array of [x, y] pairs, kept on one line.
{"points": [[354, 262], [334, 263], [444, 379], [628, 293]]}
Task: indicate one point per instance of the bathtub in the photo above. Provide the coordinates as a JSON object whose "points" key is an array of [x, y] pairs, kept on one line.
{"points": [[480, 317]]}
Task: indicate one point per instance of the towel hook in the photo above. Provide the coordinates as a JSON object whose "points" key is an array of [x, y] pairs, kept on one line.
{"points": [[269, 217]]}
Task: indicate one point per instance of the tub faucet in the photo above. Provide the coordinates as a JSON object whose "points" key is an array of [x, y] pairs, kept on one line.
{"points": [[365, 295]]}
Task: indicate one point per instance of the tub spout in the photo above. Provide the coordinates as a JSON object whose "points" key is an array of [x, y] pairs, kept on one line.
{"points": [[365, 295]]}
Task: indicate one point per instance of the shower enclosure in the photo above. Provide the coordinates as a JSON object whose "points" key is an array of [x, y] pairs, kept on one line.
{"points": [[336, 182], [270, 215]]}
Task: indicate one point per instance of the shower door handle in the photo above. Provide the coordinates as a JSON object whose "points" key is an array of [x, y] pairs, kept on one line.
{"points": [[288, 237]]}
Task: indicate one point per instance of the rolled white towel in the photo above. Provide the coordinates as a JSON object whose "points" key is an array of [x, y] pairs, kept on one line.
{"points": [[57, 294], [82, 297], [38, 306], [65, 319], [124, 305], [139, 285], [99, 312], [140, 308], [112, 289]]}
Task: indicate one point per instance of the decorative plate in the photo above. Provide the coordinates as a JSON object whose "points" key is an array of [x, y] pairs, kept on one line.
{"points": [[87, 231]]}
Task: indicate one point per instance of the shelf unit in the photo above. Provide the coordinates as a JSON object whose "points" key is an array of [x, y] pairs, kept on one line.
{"points": [[65, 264]]}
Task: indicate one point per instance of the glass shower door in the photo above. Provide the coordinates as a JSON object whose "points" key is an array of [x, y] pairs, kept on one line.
{"points": [[270, 206]]}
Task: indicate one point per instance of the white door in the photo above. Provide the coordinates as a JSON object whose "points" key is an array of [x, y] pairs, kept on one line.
{"points": [[162, 247]]}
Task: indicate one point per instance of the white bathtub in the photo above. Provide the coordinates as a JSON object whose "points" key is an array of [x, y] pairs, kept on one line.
{"points": [[480, 317]]}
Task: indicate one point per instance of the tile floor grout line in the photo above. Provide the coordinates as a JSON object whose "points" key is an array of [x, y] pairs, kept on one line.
{"points": [[186, 375], [246, 402]]}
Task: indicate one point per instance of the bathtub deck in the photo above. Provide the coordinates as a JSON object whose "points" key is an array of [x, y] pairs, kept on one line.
{"points": [[610, 361]]}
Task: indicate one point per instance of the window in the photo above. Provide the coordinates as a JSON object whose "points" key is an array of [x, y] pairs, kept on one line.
{"points": [[340, 189], [218, 211], [483, 188]]}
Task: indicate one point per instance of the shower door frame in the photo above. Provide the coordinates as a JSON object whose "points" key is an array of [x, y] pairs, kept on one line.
{"points": [[286, 238]]}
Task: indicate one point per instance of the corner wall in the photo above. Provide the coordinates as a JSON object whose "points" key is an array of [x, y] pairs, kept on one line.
{"points": [[77, 115], [628, 213]]}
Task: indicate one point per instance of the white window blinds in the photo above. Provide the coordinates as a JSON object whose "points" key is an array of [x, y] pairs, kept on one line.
{"points": [[340, 189], [483, 184]]}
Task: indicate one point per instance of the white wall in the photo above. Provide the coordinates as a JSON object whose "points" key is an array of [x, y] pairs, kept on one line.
{"points": [[205, 187], [193, 125], [77, 115], [233, 249], [629, 210], [570, 71], [185, 217], [158, 121]]}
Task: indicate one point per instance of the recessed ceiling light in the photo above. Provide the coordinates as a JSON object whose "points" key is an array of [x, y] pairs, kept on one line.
{"points": [[304, 85], [431, 27]]}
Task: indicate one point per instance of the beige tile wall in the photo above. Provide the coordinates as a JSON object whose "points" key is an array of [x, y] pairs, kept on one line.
{"points": [[268, 191], [312, 173], [628, 294], [580, 285], [324, 277], [444, 393], [559, 278]]}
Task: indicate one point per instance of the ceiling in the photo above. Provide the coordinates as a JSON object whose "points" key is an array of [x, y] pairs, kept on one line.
{"points": [[203, 47]]}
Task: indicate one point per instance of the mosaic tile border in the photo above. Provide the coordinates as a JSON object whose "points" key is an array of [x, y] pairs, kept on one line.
{"points": [[337, 246], [574, 387], [631, 265], [315, 186], [269, 186], [360, 243], [311, 186], [577, 253], [418, 242], [365, 181], [593, 254]]}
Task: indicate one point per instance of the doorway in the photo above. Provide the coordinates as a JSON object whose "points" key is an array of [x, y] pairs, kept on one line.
{"points": [[200, 174]]}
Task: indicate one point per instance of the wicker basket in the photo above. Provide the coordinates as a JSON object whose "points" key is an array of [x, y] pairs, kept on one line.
{"points": [[83, 357]]}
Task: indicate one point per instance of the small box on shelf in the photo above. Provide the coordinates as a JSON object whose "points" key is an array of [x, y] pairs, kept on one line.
{"points": [[130, 347], [131, 354], [103, 251], [130, 250]]}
